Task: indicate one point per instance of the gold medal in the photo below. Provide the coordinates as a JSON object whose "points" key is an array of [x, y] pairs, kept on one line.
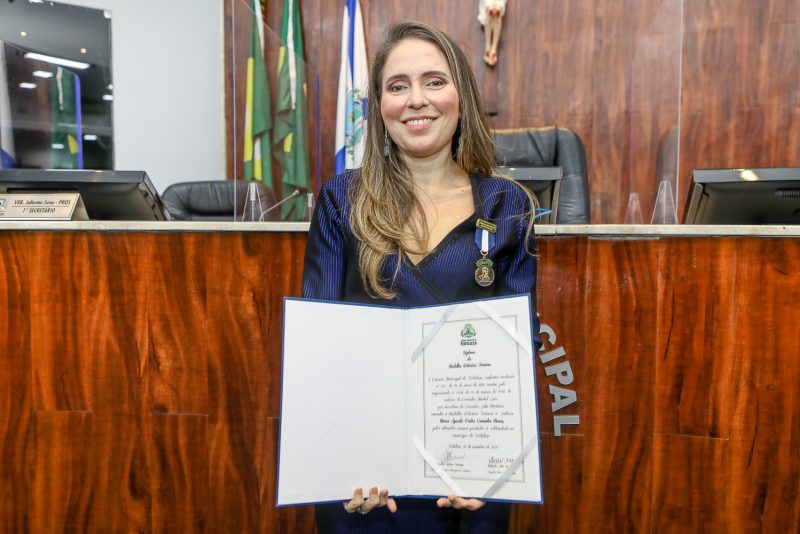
{"points": [[484, 240], [484, 274]]}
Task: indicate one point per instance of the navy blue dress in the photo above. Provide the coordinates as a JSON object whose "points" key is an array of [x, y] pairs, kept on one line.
{"points": [[447, 274]]}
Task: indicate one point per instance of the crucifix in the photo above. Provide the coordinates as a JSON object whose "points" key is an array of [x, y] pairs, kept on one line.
{"points": [[490, 15]]}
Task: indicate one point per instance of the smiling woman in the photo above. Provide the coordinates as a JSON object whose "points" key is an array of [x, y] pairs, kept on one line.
{"points": [[422, 222], [419, 105]]}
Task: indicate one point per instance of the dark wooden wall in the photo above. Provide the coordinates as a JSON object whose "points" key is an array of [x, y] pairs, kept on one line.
{"points": [[741, 85], [140, 373], [610, 70]]}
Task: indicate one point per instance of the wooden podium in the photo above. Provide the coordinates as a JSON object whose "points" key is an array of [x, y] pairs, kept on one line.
{"points": [[140, 376]]}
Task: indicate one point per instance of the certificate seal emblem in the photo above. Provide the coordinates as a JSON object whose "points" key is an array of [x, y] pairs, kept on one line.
{"points": [[484, 273]]}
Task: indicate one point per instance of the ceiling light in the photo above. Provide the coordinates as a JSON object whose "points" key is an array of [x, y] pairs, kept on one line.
{"points": [[27, 85], [23, 34], [57, 146], [90, 137], [108, 98], [58, 61], [43, 74], [83, 50]]}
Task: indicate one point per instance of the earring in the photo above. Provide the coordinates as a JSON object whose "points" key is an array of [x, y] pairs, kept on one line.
{"points": [[385, 144]]}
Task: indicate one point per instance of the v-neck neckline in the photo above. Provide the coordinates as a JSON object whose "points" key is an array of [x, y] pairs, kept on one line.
{"points": [[449, 236]]}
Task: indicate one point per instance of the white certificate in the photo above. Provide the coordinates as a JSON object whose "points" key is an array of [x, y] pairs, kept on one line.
{"points": [[425, 401]]}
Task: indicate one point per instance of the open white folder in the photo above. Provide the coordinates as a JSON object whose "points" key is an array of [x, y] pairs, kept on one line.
{"points": [[427, 401]]}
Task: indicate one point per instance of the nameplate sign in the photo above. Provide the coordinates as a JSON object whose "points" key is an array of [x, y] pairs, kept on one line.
{"points": [[42, 207]]}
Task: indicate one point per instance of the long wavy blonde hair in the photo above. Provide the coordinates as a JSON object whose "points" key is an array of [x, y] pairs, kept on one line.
{"points": [[385, 211]]}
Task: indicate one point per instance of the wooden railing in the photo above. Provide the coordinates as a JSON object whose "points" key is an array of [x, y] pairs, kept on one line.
{"points": [[140, 373]]}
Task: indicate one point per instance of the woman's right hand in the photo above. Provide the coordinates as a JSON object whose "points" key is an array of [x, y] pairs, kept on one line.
{"points": [[374, 500]]}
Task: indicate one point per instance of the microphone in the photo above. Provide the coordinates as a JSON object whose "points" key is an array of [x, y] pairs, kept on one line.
{"points": [[293, 194]]}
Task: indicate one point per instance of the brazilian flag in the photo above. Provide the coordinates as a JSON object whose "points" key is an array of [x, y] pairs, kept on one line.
{"points": [[291, 139], [257, 121]]}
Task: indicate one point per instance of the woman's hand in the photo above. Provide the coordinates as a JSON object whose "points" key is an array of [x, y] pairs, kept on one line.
{"points": [[374, 500], [454, 501]]}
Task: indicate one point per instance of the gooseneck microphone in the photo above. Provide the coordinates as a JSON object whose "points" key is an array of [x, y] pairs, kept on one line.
{"points": [[293, 194]]}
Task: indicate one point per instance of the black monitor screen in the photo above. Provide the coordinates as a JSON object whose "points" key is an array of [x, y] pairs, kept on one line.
{"points": [[107, 195], [744, 196], [544, 182]]}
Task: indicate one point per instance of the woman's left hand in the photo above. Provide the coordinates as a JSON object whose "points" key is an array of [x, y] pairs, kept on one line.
{"points": [[454, 501]]}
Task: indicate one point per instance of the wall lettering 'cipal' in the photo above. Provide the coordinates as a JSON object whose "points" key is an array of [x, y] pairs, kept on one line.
{"points": [[562, 396]]}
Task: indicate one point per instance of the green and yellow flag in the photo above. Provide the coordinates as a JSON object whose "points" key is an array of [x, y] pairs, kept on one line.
{"points": [[291, 139], [257, 120]]}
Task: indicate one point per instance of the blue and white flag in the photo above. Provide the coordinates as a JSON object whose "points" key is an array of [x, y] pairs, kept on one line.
{"points": [[6, 131], [351, 105]]}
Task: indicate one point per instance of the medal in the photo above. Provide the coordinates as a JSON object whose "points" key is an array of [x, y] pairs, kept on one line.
{"points": [[484, 274], [484, 240]]}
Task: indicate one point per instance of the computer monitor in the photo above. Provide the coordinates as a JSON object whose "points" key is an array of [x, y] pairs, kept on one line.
{"points": [[744, 196], [544, 182], [107, 195]]}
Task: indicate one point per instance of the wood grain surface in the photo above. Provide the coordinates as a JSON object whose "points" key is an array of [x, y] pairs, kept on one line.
{"points": [[140, 383], [654, 88]]}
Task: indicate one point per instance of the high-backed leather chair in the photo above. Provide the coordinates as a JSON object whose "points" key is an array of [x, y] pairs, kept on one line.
{"points": [[214, 200], [550, 146]]}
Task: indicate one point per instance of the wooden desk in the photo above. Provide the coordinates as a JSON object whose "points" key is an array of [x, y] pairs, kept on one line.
{"points": [[139, 379]]}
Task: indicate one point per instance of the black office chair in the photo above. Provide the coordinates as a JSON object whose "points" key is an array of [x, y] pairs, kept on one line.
{"points": [[214, 200], [550, 146]]}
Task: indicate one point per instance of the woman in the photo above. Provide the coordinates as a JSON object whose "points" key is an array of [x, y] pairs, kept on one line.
{"points": [[402, 231]]}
